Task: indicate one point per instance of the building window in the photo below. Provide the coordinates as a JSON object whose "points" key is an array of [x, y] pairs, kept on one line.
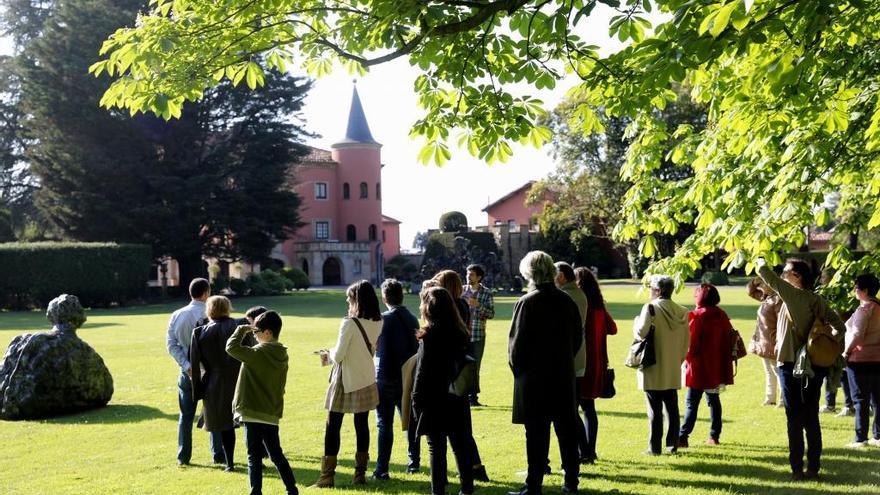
{"points": [[350, 233], [511, 224], [364, 191], [320, 190], [322, 230], [383, 235], [372, 232], [378, 191], [346, 191]]}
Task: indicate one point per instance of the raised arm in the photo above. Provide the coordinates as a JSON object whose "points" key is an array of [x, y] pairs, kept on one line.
{"points": [[786, 291], [754, 289], [236, 349]]}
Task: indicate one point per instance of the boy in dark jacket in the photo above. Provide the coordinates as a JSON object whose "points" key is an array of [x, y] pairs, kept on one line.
{"points": [[259, 396]]}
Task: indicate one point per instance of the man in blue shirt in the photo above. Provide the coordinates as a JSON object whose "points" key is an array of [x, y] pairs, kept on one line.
{"points": [[178, 340], [397, 343]]}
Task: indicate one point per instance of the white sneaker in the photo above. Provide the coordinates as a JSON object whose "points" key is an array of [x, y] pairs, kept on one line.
{"points": [[846, 411], [856, 445], [874, 442], [769, 402], [826, 409]]}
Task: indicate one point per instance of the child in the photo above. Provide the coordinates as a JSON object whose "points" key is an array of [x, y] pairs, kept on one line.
{"points": [[259, 396]]}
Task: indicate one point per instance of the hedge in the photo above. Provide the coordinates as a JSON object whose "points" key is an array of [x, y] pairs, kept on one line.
{"points": [[97, 273]]}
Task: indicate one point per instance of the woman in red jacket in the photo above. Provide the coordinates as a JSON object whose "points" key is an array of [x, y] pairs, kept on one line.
{"points": [[709, 364], [598, 327]]}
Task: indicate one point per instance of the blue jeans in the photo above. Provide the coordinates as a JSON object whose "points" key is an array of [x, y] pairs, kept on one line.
{"points": [[801, 400], [389, 400], [588, 429], [864, 381], [658, 400], [692, 406], [185, 424], [261, 438], [831, 391]]}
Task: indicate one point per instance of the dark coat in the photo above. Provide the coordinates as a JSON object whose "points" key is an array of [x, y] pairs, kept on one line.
{"points": [[215, 384], [396, 344], [436, 410], [545, 335]]}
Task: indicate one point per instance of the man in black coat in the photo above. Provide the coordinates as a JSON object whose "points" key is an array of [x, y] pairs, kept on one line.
{"points": [[545, 335]]}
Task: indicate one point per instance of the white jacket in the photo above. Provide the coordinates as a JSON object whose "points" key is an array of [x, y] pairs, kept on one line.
{"points": [[350, 352], [671, 338]]}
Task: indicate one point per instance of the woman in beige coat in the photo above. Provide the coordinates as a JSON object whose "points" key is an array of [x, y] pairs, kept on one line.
{"points": [[763, 343], [662, 380]]}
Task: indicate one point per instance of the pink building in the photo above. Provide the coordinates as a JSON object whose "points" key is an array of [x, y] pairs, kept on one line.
{"points": [[511, 209], [345, 237]]}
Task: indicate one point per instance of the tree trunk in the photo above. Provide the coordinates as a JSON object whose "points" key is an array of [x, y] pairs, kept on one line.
{"points": [[190, 266]]}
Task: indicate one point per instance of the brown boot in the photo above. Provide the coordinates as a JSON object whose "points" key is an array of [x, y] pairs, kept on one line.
{"points": [[360, 468], [328, 472]]}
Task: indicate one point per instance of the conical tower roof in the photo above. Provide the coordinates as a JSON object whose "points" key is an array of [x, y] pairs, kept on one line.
{"points": [[358, 131]]}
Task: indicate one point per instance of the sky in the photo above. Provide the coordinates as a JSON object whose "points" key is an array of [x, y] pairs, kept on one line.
{"points": [[418, 194]]}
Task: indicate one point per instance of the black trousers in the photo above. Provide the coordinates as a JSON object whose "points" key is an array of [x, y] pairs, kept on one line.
{"points": [[262, 438], [658, 401], [227, 438], [334, 426], [538, 445]]}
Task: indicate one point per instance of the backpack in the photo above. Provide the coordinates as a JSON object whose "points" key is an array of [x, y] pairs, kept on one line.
{"points": [[822, 347]]}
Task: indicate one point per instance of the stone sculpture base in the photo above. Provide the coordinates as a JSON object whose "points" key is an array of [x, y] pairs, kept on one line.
{"points": [[50, 374]]}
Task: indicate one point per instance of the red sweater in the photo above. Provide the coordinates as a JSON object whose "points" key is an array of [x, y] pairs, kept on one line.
{"points": [[709, 360], [599, 325]]}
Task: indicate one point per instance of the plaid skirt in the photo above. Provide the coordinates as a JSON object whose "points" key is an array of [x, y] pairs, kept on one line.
{"points": [[337, 400]]}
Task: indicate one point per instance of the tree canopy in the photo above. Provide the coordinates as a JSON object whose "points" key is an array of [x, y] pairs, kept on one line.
{"points": [[215, 182], [790, 87]]}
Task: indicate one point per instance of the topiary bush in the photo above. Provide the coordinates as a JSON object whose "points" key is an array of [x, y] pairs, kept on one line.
{"points": [[238, 286], [715, 278], [97, 273], [268, 283], [453, 221], [219, 284], [298, 277]]}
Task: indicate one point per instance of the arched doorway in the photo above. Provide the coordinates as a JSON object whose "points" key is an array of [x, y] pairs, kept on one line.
{"points": [[305, 266], [332, 272]]}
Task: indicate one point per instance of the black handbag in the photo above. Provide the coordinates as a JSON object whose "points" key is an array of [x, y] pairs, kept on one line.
{"points": [[608, 390], [641, 352], [464, 382]]}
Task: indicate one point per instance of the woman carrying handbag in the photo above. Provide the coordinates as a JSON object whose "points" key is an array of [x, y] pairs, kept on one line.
{"points": [[598, 381], [352, 381]]}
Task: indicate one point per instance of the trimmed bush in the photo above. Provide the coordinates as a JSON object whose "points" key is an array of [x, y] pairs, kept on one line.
{"points": [[268, 283], [715, 278], [453, 221], [238, 286], [219, 284], [97, 273], [297, 276]]}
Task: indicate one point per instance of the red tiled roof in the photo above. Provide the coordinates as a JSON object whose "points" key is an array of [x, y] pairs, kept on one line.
{"points": [[317, 155], [387, 219]]}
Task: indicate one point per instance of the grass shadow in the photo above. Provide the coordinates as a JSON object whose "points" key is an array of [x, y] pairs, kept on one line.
{"points": [[114, 414]]}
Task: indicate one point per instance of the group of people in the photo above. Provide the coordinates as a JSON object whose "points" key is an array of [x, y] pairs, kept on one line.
{"points": [[557, 352]]}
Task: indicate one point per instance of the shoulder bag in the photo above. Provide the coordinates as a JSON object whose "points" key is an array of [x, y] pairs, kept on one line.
{"points": [[641, 352], [364, 335]]}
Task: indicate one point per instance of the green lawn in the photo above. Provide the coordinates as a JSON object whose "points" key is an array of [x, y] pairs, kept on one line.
{"points": [[130, 446]]}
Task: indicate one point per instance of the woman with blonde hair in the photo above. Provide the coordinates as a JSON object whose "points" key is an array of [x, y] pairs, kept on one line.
{"points": [[353, 386], [215, 373]]}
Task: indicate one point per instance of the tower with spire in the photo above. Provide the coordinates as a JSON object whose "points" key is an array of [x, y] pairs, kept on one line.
{"points": [[345, 237]]}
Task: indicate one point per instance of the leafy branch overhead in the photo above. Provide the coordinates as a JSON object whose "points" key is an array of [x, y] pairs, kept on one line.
{"points": [[790, 88]]}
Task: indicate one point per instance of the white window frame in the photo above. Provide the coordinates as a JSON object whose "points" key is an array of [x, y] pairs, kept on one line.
{"points": [[317, 236], [326, 191]]}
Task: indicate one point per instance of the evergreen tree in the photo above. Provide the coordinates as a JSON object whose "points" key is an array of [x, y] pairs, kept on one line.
{"points": [[213, 182]]}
